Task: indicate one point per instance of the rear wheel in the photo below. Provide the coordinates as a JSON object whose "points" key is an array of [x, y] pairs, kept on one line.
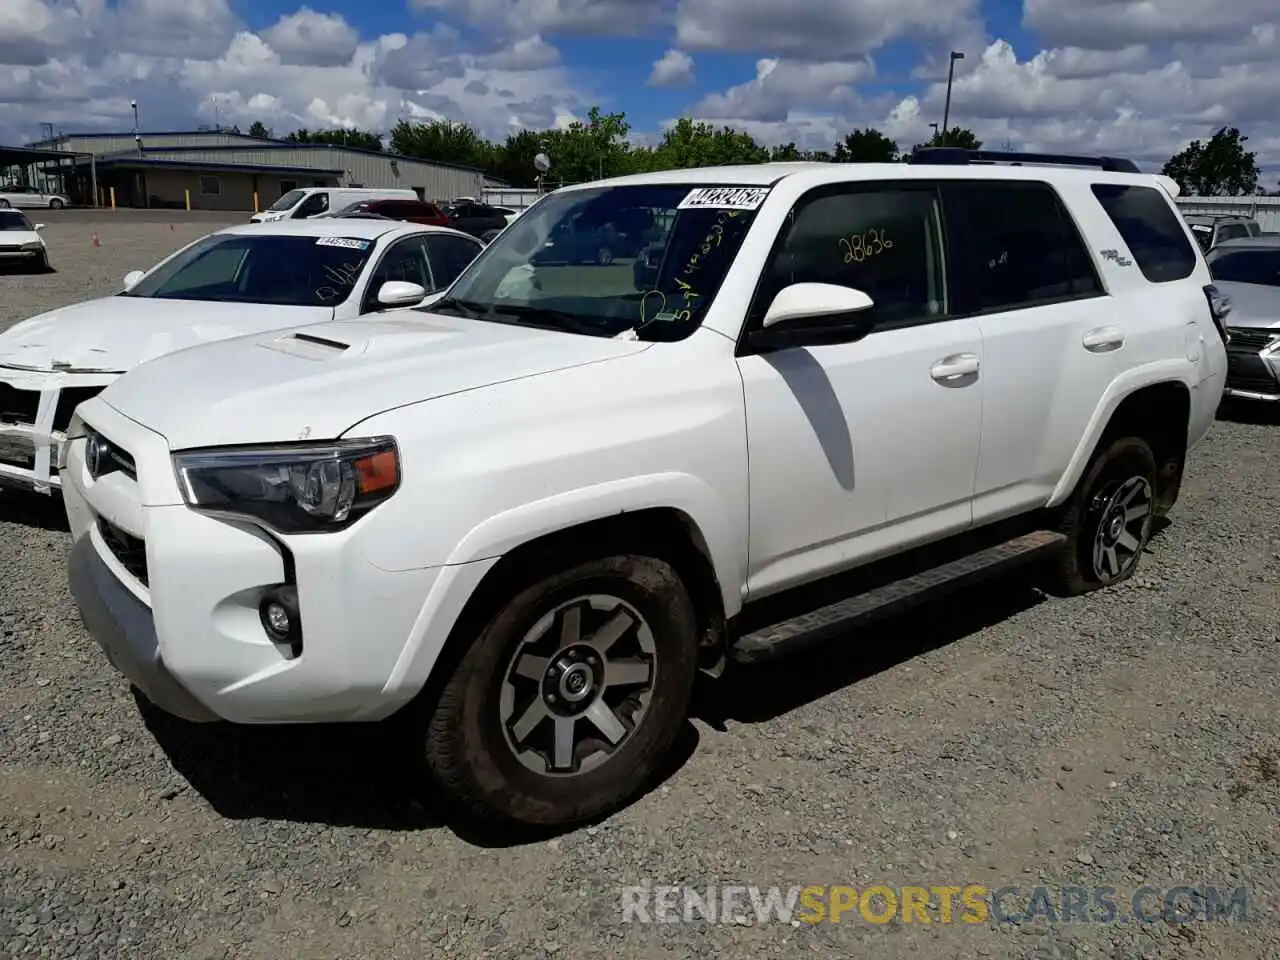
{"points": [[604, 256], [571, 696], [1110, 517], [55, 204], [4, 204]]}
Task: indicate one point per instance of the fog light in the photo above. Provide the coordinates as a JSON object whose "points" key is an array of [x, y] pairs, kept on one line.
{"points": [[278, 611], [278, 621]]}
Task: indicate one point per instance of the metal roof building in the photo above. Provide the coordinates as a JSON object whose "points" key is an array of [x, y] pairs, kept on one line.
{"points": [[217, 170]]}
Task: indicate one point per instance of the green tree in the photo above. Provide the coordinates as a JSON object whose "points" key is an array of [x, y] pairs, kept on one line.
{"points": [[260, 130], [512, 161], [589, 149], [785, 152], [956, 137], [689, 143], [866, 146], [444, 141], [360, 139], [1220, 168]]}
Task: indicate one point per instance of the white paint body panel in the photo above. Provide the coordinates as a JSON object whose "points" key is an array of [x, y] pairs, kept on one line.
{"points": [[791, 466]]}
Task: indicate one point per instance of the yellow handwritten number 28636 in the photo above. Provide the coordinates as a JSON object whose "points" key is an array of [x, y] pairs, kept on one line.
{"points": [[863, 246]]}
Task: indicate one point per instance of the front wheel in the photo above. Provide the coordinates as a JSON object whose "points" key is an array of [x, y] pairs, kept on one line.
{"points": [[604, 256], [4, 204], [570, 697], [1109, 520]]}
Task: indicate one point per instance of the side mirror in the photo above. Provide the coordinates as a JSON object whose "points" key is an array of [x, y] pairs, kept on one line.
{"points": [[39, 227], [131, 279], [814, 314], [397, 293]]}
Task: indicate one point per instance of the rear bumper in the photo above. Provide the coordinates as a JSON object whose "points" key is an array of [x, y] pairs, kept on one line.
{"points": [[123, 627]]}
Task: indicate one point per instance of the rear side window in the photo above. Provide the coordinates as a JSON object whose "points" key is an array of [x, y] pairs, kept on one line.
{"points": [[1151, 229], [1023, 249]]}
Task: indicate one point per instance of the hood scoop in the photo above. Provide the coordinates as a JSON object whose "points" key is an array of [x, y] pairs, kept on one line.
{"points": [[308, 346]]}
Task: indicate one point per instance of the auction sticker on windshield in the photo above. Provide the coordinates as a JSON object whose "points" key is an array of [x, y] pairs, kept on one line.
{"points": [[724, 198], [350, 243]]}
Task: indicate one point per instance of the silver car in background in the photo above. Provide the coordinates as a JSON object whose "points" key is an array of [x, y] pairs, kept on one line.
{"points": [[17, 195], [1247, 272]]}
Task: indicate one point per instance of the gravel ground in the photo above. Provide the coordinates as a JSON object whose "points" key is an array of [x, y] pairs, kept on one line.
{"points": [[1123, 739]]}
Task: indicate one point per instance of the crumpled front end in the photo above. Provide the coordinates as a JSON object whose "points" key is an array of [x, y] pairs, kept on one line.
{"points": [[35, 411]]}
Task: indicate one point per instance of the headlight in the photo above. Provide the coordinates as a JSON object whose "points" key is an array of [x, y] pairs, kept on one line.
{"points": [[34, 245], [293, 488]]}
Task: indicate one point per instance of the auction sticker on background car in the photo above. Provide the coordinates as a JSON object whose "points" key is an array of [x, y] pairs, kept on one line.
{"points": [[724, 198]]}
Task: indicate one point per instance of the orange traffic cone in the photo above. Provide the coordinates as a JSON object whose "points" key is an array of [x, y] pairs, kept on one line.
{"points": [[96, 241]]}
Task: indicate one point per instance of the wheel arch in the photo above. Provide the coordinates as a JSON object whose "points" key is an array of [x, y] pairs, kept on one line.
{"points": [[665, 532], [1153, 403]]}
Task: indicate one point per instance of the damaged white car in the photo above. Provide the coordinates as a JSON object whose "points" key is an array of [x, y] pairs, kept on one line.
{"points": [[242, 280]]}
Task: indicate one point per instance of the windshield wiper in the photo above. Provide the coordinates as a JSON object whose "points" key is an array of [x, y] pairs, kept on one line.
{"points": [[552, 319], [470, 309]]}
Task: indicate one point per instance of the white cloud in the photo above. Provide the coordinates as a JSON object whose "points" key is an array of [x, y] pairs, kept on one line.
{"points": [[314, 39], [673, 69], [77, 63]]}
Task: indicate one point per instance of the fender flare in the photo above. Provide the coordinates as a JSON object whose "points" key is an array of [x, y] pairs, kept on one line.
{"points": [[480, 550], [1122, 387]]}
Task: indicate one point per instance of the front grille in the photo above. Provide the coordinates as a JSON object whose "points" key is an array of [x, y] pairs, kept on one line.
{"points": [[130, 551], [18, 406], [1250, 339]]}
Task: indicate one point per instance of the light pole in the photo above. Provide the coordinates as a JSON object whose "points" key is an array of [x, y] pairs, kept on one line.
{"points": [[935, 133], [137, 134], [951, 76]]}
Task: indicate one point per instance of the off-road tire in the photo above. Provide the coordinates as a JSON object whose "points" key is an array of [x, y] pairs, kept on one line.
{"points": [[1120, 460], [467, 751]]}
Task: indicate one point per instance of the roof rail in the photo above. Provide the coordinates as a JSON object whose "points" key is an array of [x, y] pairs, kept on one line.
{"points": [[958, 156]]}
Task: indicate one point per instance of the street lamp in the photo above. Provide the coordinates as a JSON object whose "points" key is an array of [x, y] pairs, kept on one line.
{"points": [[137, 134], [951, 75]]}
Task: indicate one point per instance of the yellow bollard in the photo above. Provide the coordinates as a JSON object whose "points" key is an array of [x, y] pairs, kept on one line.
{"points": [[113, 198], [187, 193], [255, 201]]}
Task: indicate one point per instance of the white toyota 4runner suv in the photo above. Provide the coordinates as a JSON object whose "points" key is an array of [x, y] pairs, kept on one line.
{"points": [[525, 516]]}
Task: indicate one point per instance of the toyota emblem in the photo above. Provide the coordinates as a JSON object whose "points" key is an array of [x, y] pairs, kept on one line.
{"points": [[93, 454]]}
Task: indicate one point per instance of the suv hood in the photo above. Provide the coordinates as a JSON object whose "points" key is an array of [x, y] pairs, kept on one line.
{"points": [[318, 381], [1253, 305], [115, 334]]}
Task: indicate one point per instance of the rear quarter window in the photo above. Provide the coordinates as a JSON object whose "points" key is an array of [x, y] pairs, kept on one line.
{"points": [[1151, 229]]}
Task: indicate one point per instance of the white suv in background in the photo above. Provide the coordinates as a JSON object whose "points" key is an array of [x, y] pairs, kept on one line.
{"points": [[527, 514]]}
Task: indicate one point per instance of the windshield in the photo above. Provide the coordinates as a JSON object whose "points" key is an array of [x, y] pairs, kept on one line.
{"points": [[1247, 266], [243, 268], [605, 260], [288, 200], [13, 220]]}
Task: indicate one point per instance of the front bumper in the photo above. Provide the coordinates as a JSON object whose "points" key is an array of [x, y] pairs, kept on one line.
{"points": [[1253, 372], [124, 628], [172, 597], [29, 457], [11, 255]]}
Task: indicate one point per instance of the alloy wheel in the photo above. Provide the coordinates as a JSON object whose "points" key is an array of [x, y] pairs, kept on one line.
{"points": [[578, 685]]}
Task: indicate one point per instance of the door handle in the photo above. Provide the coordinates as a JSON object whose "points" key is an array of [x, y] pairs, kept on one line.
{"points": [[953, 368], [1103, 339]]}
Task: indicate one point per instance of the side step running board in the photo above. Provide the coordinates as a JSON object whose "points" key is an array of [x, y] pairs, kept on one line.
{"points": [[818, 625]]}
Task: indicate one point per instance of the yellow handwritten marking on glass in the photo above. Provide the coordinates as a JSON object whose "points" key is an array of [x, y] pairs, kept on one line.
{"points": [[863, 246]]}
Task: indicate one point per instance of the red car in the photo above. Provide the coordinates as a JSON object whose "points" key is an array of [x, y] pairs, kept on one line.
{"points": [[411, 211]]}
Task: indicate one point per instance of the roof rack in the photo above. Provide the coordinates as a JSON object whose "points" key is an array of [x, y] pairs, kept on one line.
{"points": [[958, 156]]}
